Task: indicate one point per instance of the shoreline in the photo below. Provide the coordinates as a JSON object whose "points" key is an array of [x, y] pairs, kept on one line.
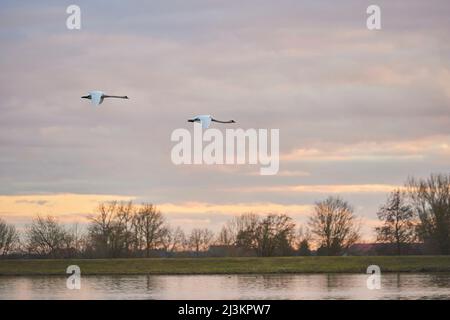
{"points": [[226, 266]]}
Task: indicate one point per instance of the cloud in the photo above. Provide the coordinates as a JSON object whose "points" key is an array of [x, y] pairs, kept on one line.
{"points": [[71, 208], [323, 189], [358, 111], [233, 208], [68, 207], [411, 150]]}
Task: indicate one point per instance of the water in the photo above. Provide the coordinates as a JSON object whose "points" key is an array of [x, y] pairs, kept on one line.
{"points": [[297, 286]]}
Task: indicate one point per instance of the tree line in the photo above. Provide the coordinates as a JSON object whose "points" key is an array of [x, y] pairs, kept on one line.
{"points": [[418, 212]]}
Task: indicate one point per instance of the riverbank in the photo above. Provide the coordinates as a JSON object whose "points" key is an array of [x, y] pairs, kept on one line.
{"points": [[227, 265]]}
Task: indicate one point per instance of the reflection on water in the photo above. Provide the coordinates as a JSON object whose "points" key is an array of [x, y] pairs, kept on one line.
{"points": [[296, 286]]}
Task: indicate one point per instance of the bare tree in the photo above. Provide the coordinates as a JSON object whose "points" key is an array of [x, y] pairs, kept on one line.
{"points": [[225, 237], [244, 227], [398, 218], [123, 228], [431, 202], [172, 239], [111, 230], [9, 238], [200, 239], [101, 228], [120, 229], [334, 225], [303, 241], [45, 236], [150, 227], [274, 235], [79, 239], [238, 229]]}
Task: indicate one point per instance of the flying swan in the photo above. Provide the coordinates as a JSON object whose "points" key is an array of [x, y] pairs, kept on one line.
{"points": [[205, 120], [97, 97]]}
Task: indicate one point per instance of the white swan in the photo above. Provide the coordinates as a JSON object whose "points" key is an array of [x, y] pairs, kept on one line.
{"points": [[205, 120], [97, 97]]}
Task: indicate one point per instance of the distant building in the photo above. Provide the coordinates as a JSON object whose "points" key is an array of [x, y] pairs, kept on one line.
{"points": [[385, 249], [230, 251]]}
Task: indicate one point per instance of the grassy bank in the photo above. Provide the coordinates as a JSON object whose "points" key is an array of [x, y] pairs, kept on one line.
{"points": [[228, 265]]}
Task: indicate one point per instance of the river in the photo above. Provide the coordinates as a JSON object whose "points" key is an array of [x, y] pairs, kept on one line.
{"points": [[284, 286]]}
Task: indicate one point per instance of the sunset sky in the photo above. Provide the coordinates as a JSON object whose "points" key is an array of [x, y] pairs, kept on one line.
{"points": [[358, 111]]}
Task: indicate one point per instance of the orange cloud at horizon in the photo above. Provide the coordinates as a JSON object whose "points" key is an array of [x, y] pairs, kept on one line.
{"points": [[71, 208], [234, 209], [345, 188], [65, 206], [78, 207]]}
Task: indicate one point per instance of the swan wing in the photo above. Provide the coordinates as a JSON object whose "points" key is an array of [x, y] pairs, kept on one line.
{"points": [[205, 121], [96, 97]]}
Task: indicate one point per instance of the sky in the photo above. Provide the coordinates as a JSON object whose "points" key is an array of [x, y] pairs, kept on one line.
{"points": [[359, 111]]}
